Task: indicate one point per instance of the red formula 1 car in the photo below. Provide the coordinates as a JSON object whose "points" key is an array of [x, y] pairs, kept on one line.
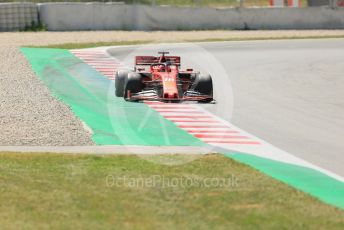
{"points": [[161, 79]]}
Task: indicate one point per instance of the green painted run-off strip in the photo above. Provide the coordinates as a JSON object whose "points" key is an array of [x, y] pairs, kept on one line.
{"points": [[91, 97], [308, 180]]}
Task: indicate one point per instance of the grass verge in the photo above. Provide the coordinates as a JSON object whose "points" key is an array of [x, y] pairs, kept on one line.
{"points": [[212, 192], [141, 42]]}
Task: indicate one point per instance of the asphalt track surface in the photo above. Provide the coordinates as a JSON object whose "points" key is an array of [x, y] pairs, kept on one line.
{"points": [[287, 92]]}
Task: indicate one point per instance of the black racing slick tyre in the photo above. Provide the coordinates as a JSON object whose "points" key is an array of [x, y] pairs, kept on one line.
{"points": [[133, 85], [120, 80], [203, 84]]}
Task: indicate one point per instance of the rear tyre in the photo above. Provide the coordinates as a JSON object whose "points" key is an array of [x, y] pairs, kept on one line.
{"points": [[120, 80], [133, 85]]}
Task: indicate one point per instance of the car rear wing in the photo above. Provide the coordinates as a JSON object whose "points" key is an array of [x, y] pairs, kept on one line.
{"points": [[149, 60]]}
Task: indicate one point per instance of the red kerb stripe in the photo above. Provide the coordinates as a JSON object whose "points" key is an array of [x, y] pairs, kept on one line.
{"points": [[202, 126], [234, 142], [219, 136]]}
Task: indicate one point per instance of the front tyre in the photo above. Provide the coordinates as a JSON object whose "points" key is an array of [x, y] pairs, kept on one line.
{"points": [[120, 80], [203, 84]]}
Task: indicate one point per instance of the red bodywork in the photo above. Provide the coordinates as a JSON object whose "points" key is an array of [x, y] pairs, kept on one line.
{"points": [[168, 79], [163, 80]]}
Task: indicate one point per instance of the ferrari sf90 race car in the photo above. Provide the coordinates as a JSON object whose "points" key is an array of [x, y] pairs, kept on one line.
{"points": [[161, 79]]}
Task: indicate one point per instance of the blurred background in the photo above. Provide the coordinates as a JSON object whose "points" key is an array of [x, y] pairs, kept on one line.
{"points": [[214, 3], [73, 15]]}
